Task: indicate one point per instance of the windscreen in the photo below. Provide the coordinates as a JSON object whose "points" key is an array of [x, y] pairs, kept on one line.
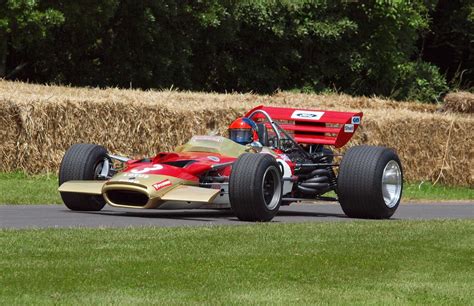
{"points": [[213, 144]]}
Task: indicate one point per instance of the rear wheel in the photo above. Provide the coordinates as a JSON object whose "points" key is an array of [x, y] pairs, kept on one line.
{"points": [[82, 162], [370, 182], [255, 187]]}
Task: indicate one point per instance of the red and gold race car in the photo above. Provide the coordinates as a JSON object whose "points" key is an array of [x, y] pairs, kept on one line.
{"points": [[273, 156]]}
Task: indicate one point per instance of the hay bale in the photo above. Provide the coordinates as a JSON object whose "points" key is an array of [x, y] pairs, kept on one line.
{"points": [[38, 123], [430, 146], [459, 102], [10, 129]]}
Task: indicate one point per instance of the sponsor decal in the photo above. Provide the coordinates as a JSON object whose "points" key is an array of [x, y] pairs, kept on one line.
{"points": [[355, 120], [207, 138], [308, 115], [348, 128], [162, 184], [130, 175], [128, 181], [214, 158], [147, 169]]}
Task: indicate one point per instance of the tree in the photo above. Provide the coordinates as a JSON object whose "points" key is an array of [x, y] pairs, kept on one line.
{"points": [[450, 42], [21, 23]]}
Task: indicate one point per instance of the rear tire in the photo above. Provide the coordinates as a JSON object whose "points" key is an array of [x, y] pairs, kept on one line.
{"points": [[82, 162], [370, 182], [255, 187]]}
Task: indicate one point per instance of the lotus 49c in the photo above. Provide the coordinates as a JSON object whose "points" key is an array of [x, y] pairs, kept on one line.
{"points": [[273, 156]]}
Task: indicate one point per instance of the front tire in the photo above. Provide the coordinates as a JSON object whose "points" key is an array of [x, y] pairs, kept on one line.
{"points": [[370, 182], [82, 162], [255, 187]]}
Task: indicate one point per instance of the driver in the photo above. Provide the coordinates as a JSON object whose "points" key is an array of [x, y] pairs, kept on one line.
{"points": [[243, 131]]}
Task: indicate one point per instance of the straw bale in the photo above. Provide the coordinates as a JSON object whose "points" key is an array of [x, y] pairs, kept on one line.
{"points": [[38, 123], [431, 146], [459, 102]]}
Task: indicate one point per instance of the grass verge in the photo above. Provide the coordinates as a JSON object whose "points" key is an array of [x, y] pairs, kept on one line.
{"points": [[426, 191], [378, 262], [18, 188]]}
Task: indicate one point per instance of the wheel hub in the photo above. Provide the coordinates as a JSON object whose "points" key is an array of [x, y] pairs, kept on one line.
{"points": [[271, 187], [391, 183]]}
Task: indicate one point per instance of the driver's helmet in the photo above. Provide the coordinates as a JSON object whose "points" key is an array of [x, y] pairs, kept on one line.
{"points": [[243, 131]]}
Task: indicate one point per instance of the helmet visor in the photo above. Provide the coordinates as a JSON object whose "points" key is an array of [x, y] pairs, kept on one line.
{"points": [[242, 136]]}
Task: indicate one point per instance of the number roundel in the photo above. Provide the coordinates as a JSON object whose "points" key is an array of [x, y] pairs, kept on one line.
{"points": [[147, 169]]}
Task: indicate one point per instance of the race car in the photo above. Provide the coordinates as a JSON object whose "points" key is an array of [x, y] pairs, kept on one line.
{"points": [[272, 156]]}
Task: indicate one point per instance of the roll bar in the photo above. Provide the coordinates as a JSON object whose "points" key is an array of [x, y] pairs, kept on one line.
{"points": [[277, 129], [270, 120]]}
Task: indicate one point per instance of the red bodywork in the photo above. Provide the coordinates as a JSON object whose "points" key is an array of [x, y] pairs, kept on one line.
{"points": [[306, 126], [187, 165]]}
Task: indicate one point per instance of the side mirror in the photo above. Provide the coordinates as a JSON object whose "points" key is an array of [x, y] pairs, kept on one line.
{"points": [[256, 146]]}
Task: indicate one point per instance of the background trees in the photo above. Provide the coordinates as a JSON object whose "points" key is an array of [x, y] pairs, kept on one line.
{"points": [[22, 24], [401, 49]]}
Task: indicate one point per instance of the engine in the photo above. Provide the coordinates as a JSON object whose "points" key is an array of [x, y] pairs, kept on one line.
{"points": [[314, 171]]}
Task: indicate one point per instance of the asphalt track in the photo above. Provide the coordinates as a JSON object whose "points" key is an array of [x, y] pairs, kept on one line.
{"points": [[58, 216]]}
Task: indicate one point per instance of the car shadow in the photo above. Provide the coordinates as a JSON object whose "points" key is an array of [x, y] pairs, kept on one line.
{"points": [[208, 215]]}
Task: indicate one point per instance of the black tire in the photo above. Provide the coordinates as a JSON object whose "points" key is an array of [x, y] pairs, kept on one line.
{"points": [[247, 191], [359, 183], [81, 162]]}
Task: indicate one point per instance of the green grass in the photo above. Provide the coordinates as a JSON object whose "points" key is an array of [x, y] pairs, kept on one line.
{"points": [[426, 191], [365, 262], [18, 188]]}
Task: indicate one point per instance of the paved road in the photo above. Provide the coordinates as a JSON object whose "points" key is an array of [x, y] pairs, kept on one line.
{"points": [[42, 216]]}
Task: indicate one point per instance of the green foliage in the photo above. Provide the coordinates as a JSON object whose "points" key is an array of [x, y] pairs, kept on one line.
{"points": [[357, 47], [22, 18], [419, 81], [23, 24], [124, 43], [450, 42]]}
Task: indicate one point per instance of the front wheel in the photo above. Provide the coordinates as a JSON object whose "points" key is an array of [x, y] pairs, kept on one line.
{"points": [[82, 162], [255, 187], [370, 182]]}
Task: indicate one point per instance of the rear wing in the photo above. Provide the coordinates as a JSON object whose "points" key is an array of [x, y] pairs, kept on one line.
{"points": [[312, 126]]}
